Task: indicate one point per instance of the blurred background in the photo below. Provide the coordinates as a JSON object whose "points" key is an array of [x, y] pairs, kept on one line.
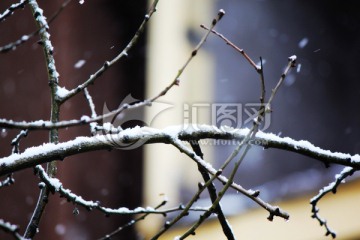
{"points": [[318, 102]]}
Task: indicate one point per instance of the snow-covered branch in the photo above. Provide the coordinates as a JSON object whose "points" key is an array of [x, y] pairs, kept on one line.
{"points": [[10, 228], [332, 187], [24, 38], [55, 185], [144, 135], [7, 182], [10, 10]]}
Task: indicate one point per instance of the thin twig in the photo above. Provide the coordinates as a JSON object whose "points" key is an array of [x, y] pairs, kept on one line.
{"points": [[212, 209], [176, 80], [91, 104], [10, 10], [26, 37], [212, 192], [262, 81], [259, 69], [291, 64], [16, 141], [228, 42], [192, 200], [9, 180], [54, 185], [11, 229], [332, 187], [132, 222], [109, 64]]}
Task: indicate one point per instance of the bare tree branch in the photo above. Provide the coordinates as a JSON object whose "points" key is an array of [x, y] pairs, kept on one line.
{"points": [[228, 42], [213, 193], [332, 187]]}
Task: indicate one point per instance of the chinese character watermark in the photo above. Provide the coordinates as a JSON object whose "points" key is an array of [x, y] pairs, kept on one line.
{"points": [[234, 115]]}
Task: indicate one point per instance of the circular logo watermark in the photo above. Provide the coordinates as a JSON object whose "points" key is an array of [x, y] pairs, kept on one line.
{"points": [[127, 140]]}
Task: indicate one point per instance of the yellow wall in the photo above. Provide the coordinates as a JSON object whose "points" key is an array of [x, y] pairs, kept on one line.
{"points": [[167, 51]]}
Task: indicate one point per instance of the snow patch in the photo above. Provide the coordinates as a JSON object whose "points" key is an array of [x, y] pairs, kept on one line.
{"points": [[62, 92], [292, 58]]}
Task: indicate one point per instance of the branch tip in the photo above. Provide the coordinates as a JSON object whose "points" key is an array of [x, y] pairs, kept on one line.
{"points": [[221, 13], [177, 82]]}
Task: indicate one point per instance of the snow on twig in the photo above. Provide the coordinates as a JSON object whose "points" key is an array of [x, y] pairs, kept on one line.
{"points": [[55, 185], [332, 187], [11, 229], [10, 10], [108, 64], [27, 37]]}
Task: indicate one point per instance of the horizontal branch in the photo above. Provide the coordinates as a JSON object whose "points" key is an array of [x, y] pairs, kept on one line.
{"points": [[55, 185], [145, 135]]}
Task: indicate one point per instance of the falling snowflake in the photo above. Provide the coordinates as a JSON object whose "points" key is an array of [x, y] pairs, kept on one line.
{"points": [[79, 63], [303, 42]]}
